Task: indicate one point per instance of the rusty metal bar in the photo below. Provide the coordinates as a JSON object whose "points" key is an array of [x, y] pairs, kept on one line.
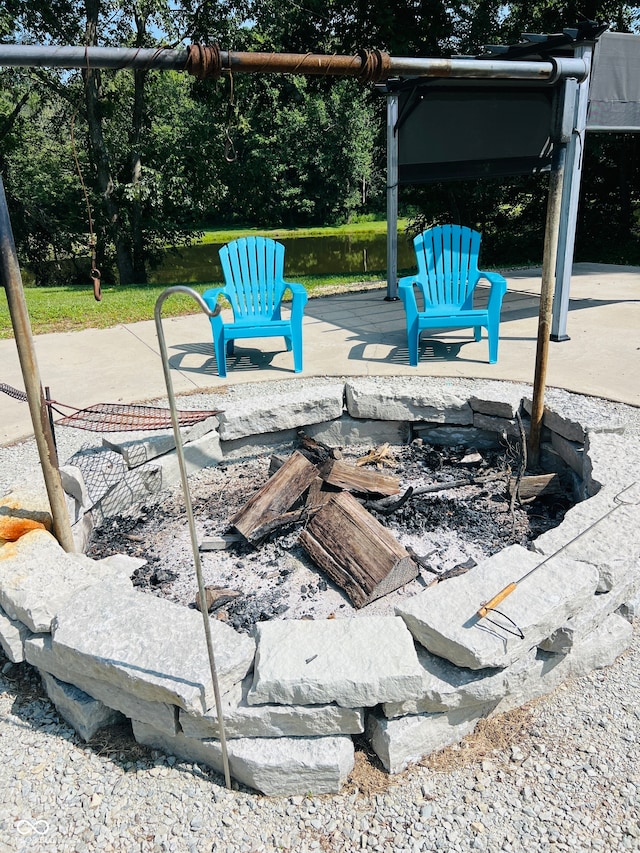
{"points": [[18, 55], [12, 283], [554, 209]]}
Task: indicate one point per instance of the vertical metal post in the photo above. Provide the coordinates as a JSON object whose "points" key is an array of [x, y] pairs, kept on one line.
{"points": [[179, 288], [554, 206], [12, 282], [570, 199], [392, 196]]}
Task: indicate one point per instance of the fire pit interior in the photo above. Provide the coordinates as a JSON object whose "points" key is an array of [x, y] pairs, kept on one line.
{"points": [[454, 507]]}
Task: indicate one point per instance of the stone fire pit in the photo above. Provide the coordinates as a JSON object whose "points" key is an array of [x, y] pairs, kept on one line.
{"points": [[297, 691]]}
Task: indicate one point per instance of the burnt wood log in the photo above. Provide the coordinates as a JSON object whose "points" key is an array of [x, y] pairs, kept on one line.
{"points": [[275, 498], [533, 486], [360, 555], [364, 482]]}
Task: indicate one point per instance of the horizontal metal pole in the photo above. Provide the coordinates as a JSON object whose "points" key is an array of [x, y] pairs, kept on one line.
{"points": [[17, 55], [50, 56]]}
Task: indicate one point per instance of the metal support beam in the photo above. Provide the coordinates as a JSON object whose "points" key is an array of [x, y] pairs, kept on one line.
{"points": [[392, 196], [570, 199], [18, 55], [12, 282], [554, 206]]}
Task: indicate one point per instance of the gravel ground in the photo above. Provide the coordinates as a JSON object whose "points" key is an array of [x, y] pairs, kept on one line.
{"points": [[560, 774]]}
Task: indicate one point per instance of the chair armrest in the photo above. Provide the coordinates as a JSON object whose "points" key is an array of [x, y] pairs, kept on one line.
{"points": [[408, 296], [498, 288], [211, 298], [298, 291]]}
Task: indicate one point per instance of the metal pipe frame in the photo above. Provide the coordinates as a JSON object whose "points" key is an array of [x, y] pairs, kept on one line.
{"points": [[164, 59], [181, 288]]}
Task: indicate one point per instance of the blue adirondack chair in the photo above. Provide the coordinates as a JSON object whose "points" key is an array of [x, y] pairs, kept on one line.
{"points": [[253, 269], [448, 273]]}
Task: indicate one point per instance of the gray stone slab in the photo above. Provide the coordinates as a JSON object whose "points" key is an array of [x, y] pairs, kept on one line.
{"points": [[13, 635], [143, 448], [288, 408], [274, 766], [401, 742], [347, 431], [603, 532], [148, 646], [594, 614], [447, 687], [133, 487], [571, 452], [444, 617], [452, 436], [498, 426], [570, 415], [83, 713], [408, 399], [596, 651], [244, 720], [353, 662], [611, 461], [162, 715], [205, 452], [500, 399], [74, 485], [38, 578]]}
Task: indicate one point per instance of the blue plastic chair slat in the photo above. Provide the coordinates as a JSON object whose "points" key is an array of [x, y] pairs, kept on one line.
{"points": [[253, 269], [447, 259]]}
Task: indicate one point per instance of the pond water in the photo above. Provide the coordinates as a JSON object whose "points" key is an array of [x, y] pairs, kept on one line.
{"points": [[304, 256]]}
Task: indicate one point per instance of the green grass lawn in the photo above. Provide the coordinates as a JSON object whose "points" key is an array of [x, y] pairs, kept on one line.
{"points": [[68, 309]]}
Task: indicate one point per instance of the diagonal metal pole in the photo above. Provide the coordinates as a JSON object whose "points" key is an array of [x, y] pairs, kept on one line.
{"points": [[12, 282], [179, 288]]}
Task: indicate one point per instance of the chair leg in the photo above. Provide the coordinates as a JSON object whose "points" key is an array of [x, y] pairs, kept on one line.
{"points": [[219, 350], [296, 345], [230, 347], [493, 333], [287, 343], [477, 333], [413, 342]]}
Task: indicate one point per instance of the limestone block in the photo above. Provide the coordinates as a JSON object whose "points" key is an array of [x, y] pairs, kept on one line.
{"points": [[398, 743], [244, 720], [73, 483], [346, 431], [83, 713], [452, 436], [148, 646], [286, 409], [572, 452], [595, 613], [81, 532], [21, 510], [160, 715], [407, 399], [602, 532], [596, 651], [136, 451], [611, 461], [275, 766], [447, 687], [444, 617], [501, 426], [499, 399], [13, 635], [569, 414], [205, 452], [37, 578], [133, 487], [353, 662]]}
